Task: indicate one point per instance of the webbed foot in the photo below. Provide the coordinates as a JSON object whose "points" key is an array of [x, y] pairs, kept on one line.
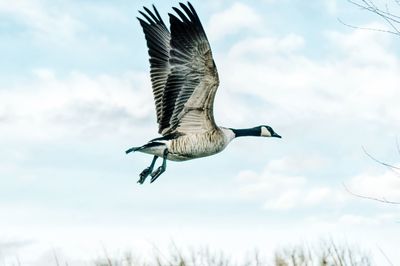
{"points": [[157, 173], [160, 169], [144, 174]]}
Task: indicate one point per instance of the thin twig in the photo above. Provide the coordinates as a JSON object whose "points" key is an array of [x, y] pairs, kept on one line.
{"points": [[386, 257], [370, 198], [390, 18], [336, 252], [109, 260], [156, 249], [366, 28], [378, 161], [56, 257], [372, 8]]}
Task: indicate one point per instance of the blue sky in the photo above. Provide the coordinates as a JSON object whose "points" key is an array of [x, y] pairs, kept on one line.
{"points": [[75, 93]]}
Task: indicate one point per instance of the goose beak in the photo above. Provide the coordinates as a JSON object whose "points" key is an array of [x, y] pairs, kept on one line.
{"points": [[276, 135]]}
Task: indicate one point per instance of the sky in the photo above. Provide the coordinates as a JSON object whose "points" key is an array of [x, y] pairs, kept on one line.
{"points": [[75, 93]]}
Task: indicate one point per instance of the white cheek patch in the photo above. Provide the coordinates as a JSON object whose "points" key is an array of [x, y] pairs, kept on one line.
{"points": [[265, 132]]}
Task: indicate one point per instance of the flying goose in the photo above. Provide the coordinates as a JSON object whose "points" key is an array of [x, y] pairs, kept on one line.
{"points": [[184, 80]]}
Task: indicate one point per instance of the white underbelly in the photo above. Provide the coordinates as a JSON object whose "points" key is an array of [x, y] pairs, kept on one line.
{"points": [[159, 151]]}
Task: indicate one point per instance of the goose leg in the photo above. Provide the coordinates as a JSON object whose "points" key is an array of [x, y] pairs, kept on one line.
{"points": [[160, 169], [146, 172]]}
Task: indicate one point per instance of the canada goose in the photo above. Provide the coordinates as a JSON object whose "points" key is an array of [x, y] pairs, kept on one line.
{"points": [[184, 80]]}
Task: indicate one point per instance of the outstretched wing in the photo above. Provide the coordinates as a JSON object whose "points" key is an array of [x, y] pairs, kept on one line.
{"points": [[158, 41], [187, 104]]}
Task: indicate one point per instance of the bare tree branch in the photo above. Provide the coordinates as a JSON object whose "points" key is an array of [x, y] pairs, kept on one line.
{"points": [[366, 28], [391, 167], [370, 6], [384, 13], [384, 200]]}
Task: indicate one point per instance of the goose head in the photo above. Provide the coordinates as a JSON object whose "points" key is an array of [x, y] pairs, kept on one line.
{"points": [[267, 131]]}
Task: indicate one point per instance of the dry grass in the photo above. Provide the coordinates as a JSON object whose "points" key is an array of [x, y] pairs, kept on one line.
{"points": [[325, 254]]}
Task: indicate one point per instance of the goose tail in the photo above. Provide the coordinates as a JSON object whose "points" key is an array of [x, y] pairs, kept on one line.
{"points": [[133, 149], [145, 147]]}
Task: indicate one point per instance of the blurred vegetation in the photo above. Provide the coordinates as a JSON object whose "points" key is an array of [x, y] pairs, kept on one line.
{"points": [[325, 254]]}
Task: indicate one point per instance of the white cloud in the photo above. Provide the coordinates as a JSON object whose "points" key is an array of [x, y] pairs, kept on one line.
{"points": [[287, 200], [364, 46], [317, 195], [266, 47], [278, 187], [49, 22], [358, 80], [238, 18], [381, 186], [343, 221], [351, 219], [331, 6], [281, 189], [75, 104]]}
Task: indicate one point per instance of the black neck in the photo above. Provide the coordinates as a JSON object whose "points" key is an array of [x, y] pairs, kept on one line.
{"points": [[254, 131]]}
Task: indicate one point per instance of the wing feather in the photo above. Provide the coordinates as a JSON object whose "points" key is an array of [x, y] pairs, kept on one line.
{"points": [[158, 42], [193, 80]]}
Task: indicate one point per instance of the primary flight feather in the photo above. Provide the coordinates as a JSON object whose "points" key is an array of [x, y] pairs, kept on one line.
{"points": [[184, 79]]}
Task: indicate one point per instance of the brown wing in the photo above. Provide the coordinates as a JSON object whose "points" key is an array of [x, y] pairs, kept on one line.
{"points": [[187, 104]]}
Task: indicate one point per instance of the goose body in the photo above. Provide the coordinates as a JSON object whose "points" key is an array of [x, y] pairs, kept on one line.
{"points": [[184, 81], [190, 146]]}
